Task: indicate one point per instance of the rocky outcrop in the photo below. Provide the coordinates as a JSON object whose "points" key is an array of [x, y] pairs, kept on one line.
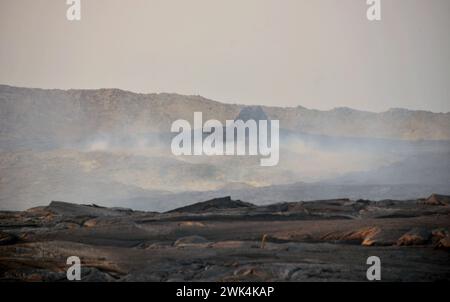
{"points": [[234, 241], [212, 205], [444, 243], [70, 210], [78, 111], [416, 236], [437, 200]]}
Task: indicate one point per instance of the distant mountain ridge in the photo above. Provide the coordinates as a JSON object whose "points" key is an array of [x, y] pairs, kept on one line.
{"points": [[113, 147], [64, 116]]}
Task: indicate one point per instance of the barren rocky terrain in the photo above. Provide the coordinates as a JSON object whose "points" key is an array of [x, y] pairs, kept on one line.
{"points": [[230, 240]]}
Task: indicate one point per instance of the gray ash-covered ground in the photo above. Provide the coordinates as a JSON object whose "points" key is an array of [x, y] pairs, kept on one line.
{"points": [[228, 240]]}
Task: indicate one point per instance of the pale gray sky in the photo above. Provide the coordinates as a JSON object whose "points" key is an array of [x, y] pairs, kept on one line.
{"points": [[315, 53]]}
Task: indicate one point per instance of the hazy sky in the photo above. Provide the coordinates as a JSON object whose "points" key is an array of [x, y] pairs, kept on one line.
{"points": [[315, 53]]}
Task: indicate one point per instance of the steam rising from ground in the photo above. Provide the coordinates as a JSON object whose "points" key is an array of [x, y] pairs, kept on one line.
{"points": [[109, 147]]}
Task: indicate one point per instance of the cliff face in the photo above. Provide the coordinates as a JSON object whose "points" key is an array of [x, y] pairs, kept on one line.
{"points": [[64, 116]]}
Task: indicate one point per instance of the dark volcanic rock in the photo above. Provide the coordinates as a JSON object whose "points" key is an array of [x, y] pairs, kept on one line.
{"points": [[213, 204], [444, 243], [326, 240], [417, 236], [92, 274], [73, 210], [190, 240], [6, 238]]}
